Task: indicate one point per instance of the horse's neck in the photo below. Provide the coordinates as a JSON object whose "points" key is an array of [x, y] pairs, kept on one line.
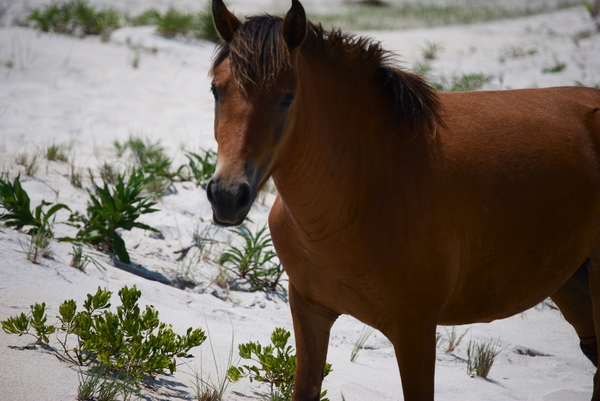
{"points": [[326, 166]]}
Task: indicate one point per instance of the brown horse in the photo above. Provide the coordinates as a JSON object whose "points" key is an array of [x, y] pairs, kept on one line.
{"points": [[397, 205]]}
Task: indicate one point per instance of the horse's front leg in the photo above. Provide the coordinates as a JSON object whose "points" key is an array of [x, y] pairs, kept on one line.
{"points": [[414, 344], [311, 330]]}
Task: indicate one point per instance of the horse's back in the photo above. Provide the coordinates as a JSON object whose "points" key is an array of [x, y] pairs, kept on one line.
{"points": [[521, 178]]}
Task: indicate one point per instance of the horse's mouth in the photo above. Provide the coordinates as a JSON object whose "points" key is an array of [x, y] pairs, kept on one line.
{"points": [[238, 220]]}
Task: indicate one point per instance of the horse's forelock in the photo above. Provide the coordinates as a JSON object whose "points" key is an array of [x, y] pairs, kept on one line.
{"points": [[257, 53]]}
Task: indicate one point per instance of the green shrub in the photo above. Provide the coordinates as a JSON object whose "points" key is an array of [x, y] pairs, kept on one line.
{"points": [[130, 342], [176, 23], [148, 17], [255, 262], [75, 17], [276, 365], [113, 209]]}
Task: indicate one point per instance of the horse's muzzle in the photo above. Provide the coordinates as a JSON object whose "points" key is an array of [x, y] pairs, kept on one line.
{"points": [[231, 203]]}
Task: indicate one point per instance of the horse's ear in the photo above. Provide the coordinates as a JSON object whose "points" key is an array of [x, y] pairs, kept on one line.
{"points": [[294, 26], [225, 22]]}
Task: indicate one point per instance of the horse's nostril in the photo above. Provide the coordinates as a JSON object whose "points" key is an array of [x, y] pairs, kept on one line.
{"points": [[243, 196], [209, 191]]}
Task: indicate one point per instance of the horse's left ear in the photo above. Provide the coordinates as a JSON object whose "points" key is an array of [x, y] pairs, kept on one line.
{"points": [[294, 26]]}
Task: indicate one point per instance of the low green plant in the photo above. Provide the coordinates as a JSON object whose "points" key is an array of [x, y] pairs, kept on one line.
{"points": [[113, 209], [255, 262], [276, 365], [480, 357], [201, 166], [360, 342], [132, 343], [18, 214]]}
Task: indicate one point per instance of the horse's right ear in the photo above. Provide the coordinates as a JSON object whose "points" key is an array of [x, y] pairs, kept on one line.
{"points": [[294, 26], [225, 22]]}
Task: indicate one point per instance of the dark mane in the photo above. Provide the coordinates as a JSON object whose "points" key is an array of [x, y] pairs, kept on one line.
{"points": [[258, 55]]}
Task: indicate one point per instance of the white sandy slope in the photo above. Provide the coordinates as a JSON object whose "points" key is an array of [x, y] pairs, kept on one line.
{"points": [[85, 94]]}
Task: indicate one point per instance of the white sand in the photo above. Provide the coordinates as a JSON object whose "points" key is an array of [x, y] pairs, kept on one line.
{"points": [[85, 94]]}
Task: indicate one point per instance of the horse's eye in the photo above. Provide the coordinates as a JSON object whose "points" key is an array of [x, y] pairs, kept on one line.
{"points": [[215, 92], [287, 100]]}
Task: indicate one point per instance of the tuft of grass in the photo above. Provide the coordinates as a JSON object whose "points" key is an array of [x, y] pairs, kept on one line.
{"points": [[464, 82], [480, 357], [516, 52], [210, 389], [56, 152], [39, 246], [80, 261], [555, 69], [98, 384], [454, 339], [32, 165], [360, 342], [107, 172], [76, 177], [431, 50]]}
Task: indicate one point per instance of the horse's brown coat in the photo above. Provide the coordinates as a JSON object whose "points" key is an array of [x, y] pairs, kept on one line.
{"points": [[399, 207]]}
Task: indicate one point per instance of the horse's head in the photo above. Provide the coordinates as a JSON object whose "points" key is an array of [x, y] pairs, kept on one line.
{"points": [[254, 85]]}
